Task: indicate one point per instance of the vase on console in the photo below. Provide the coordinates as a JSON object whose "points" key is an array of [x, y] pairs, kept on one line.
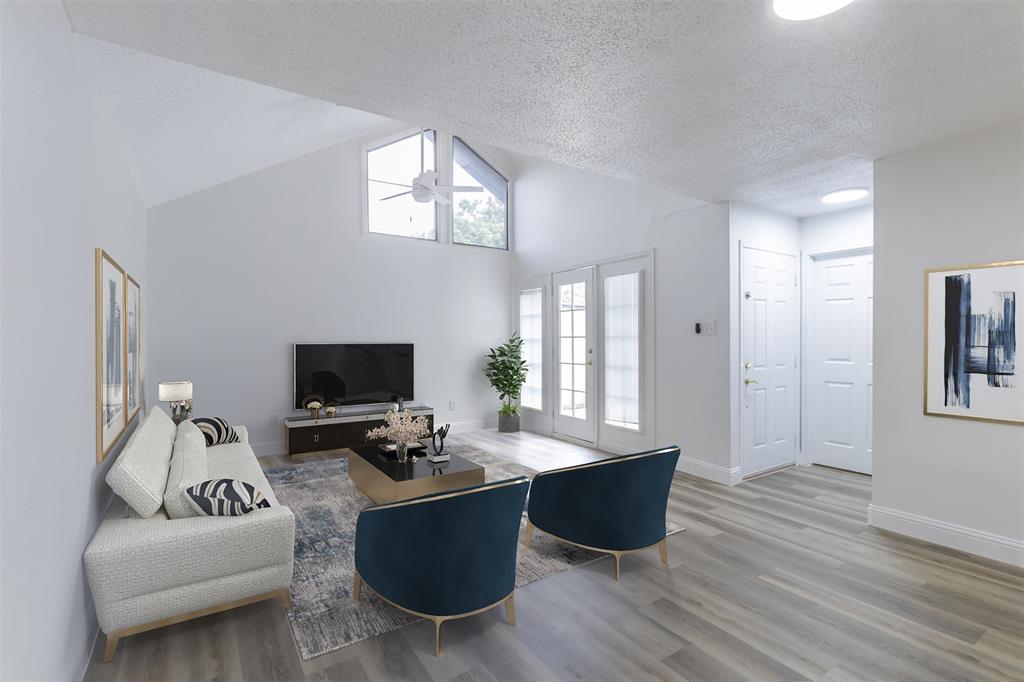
{"points": [[402, 450]]}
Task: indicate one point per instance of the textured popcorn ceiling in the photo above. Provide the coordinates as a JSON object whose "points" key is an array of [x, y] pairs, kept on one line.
{"points": [[716, 99], [185, 128]]}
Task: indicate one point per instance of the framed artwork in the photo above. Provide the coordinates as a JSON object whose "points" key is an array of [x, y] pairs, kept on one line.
{"points": [[133, 346], [111, 413], [973, 332]]}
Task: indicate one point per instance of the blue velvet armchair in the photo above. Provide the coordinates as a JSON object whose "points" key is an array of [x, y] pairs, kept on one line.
{"points": [[444, 556], [616, 505]]}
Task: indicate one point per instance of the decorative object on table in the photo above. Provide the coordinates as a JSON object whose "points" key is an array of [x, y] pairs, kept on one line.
{"points": [[331, 412], [437, 455], [400, 428], [226, 497], [506, 370], [216, 431], [971, 341], [133, 346], [111, 414], [314, 408], [179, 395]]}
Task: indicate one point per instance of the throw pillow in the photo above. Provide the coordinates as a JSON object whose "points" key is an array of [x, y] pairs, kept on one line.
{"points": [[225, 497], [216, 431]]}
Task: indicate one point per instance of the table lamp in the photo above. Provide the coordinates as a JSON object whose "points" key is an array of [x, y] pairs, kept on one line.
{"points": [[179, 395]]}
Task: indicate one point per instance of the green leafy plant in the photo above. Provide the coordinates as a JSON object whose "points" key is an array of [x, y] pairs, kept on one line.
{"points": [[506, 370]]}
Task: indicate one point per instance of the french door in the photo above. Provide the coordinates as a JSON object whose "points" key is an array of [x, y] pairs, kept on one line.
{"points": [[575, 332]]}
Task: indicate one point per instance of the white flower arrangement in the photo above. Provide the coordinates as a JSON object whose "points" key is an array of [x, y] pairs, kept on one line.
{"points": [[400, 427], [314, 405]]}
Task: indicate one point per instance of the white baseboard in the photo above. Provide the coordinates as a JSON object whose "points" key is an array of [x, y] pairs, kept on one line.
{"points": [[712, 472], [982, 543]]}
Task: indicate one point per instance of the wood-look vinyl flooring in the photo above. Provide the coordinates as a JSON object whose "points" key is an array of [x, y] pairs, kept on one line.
{"points": [[778, 578]]}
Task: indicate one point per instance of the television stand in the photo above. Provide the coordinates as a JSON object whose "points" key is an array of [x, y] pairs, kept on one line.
{"points": [[346, 429]]}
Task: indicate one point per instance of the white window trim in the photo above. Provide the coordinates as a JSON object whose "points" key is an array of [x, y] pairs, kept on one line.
{"points": [[377, 143], [605, 271], [449, 156], [543, 288]]}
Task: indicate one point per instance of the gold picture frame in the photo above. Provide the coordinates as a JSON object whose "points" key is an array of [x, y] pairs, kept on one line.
{"points": [[111, 388], [950, 359], [133, 347]]}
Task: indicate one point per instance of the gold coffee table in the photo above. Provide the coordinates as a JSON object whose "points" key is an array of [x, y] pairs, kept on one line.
{"points": [[381, 478]]}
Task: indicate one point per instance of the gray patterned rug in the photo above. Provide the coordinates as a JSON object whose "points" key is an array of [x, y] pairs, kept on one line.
{"points": [[326, 504]]}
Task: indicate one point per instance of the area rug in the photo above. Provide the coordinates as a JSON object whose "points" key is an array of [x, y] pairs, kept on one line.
{"points": [[326, 504]]}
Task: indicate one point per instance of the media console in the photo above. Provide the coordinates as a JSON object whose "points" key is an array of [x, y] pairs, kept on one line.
{"points": [[346, 429]]}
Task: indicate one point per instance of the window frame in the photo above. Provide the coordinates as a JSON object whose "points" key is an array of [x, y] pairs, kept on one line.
{"points": [[543, 289], [384, 141], [641, 338], [450, 163]]}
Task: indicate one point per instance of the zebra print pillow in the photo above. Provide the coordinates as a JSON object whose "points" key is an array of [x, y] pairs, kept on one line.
{"points": [[216, 431], [225, 497]]}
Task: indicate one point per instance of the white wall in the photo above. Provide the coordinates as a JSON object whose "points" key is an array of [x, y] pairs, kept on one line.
{"points": [[243, 270], [66, 191], [952, 481], [566, 217], [847, 229]]}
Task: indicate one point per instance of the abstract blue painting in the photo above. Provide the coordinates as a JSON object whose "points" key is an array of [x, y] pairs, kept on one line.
{"points": [[972, 340]]}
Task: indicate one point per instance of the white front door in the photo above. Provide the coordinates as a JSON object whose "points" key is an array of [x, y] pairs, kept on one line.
{"points": [[840, 362], [769, 327], [575, 325]]}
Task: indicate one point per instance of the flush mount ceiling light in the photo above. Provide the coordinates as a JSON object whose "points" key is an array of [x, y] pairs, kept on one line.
{"points": [[802, 10], [842, 196]]}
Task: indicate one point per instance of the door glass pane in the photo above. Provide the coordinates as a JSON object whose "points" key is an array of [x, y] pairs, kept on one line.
{"points": [[572, 332], [566, 329], [579, 350], [566, 403], [565, 296], [565, 354], [531, 325], [622, 350]]}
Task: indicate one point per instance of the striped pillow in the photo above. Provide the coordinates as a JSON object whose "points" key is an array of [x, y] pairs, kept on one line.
{"points": [[225, 497], [216, 431]]}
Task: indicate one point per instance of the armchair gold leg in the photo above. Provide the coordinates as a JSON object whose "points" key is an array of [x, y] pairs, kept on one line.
{"points": [[529, 534], [357, 587], [663, 548], [437, 637], [111, 648], [618, 560], [510, 609]]}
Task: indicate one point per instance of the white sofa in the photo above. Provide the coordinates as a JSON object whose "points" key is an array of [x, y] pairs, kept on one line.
{"points": [[154, 561]]}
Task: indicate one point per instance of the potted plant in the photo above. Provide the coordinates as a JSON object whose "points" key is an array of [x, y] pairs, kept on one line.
{"points": [[506, 370]]}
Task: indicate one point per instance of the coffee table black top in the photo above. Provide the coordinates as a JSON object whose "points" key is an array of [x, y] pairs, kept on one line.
{"points": [[388, 464]]}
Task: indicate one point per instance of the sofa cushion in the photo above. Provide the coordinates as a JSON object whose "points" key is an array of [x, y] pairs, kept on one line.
{"points": [[226, 497], [216, 430], [139, 476], [188, 467], [238, 461]]}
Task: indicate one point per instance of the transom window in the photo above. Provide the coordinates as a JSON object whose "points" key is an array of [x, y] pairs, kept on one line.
{"points": [[478, 218], [390, 169]]}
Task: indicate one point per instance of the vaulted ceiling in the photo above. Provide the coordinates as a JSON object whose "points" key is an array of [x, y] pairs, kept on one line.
{"points": [[714, 99]]}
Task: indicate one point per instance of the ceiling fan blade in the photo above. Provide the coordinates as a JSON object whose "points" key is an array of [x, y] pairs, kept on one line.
{"points": [[400, 194], [458, 188], [441, 199], [385, 182]]}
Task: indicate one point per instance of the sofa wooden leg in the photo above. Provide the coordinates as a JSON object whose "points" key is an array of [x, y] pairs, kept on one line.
{"points": [[357, 587], [529, 534], [510, 609], [111, 648], [437, 637], [663, 548], [286, 599]]}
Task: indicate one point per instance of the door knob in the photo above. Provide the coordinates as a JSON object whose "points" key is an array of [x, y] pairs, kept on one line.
{"points": [[747, 365], [748, 381]]}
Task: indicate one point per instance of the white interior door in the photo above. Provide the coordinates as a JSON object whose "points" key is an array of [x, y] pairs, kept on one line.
{"points": [[575, 325], [840, 362], [769, 327]]}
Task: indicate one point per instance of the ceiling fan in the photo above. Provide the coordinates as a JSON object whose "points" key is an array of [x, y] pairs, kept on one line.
{"points": [[424, 187]]}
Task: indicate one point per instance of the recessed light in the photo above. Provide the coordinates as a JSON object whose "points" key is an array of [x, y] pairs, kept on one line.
{"points": [[802, 10], [842, 196]]}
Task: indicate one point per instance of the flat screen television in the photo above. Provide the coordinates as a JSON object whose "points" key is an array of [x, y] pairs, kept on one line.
{"points": [[352, 373]]}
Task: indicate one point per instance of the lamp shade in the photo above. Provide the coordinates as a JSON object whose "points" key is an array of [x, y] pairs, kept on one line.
{"points": [[173, 391]]}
